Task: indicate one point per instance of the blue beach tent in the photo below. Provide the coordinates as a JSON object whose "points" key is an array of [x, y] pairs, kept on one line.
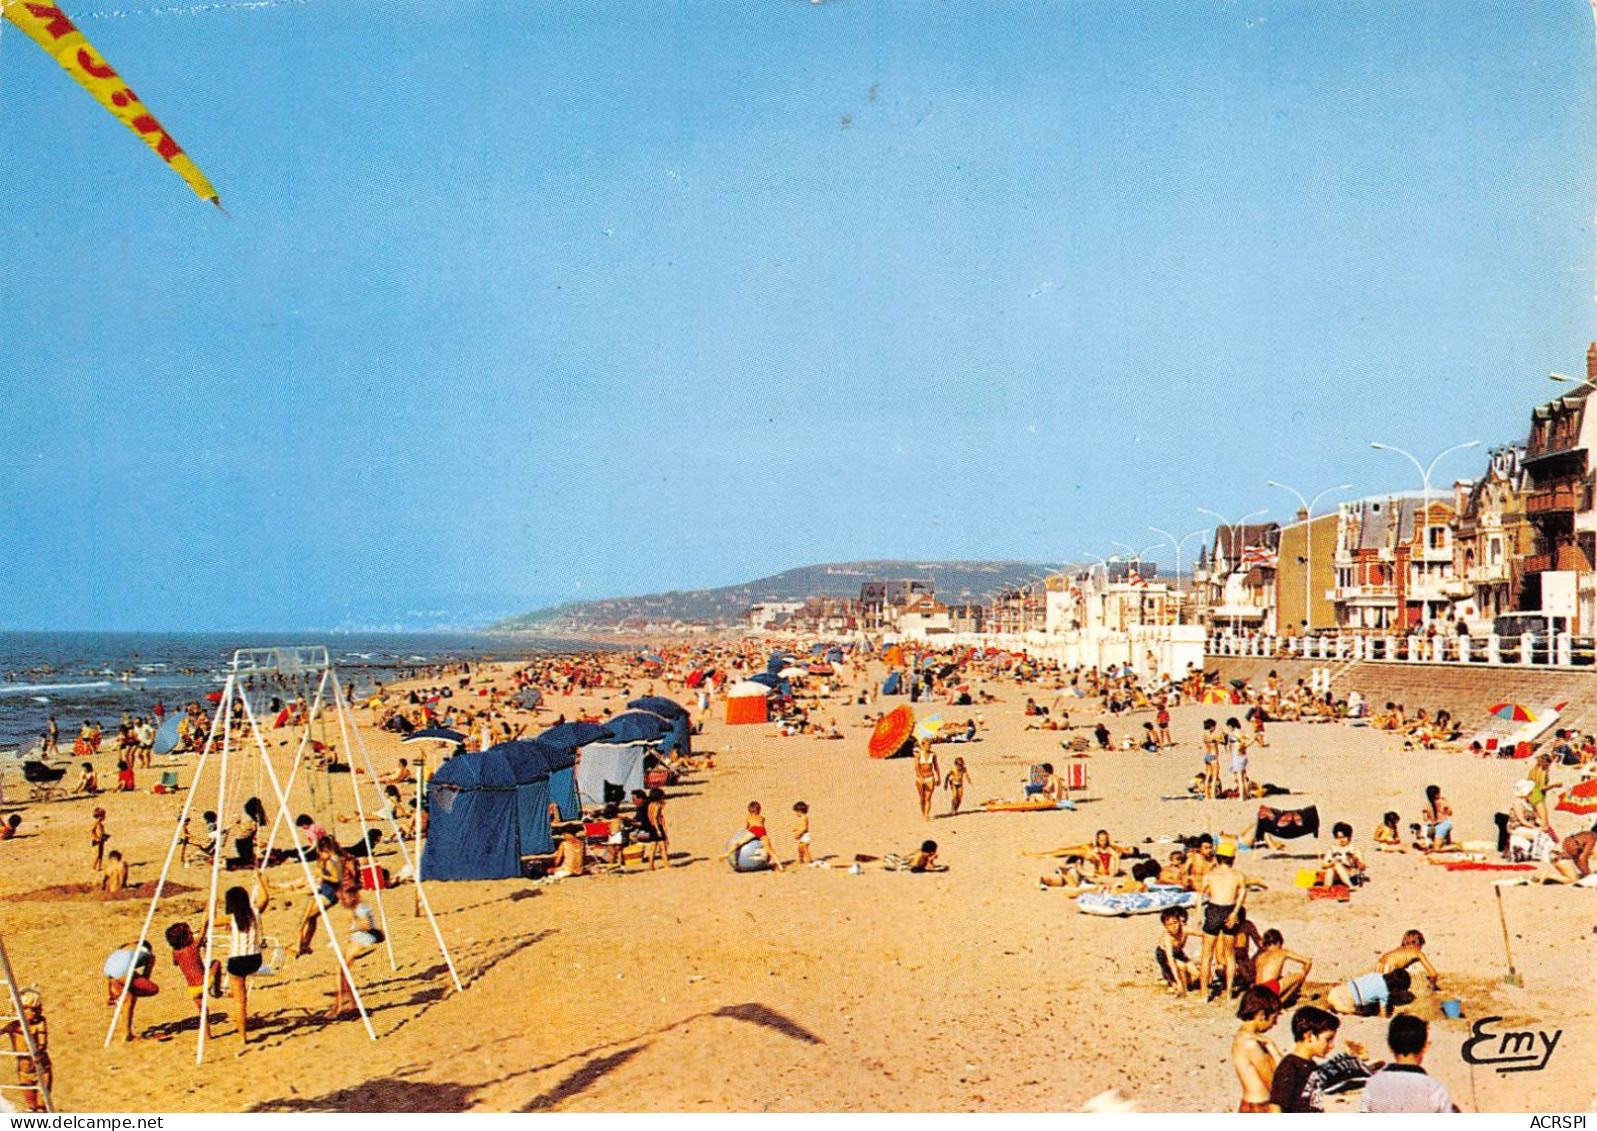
{"points": [[893, 684], [472, 827], [531, 771], [562, 763]]}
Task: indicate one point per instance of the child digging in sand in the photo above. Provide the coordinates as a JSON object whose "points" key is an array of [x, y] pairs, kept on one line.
{"points": [[1180, 972], [1387, 836], [1408, 952]]}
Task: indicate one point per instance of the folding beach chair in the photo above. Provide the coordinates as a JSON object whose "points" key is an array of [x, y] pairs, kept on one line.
{"points": [[1037, 782], [1074, 776]]}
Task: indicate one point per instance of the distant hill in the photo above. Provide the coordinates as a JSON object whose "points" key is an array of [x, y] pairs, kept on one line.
{"points": [[954, 581]]}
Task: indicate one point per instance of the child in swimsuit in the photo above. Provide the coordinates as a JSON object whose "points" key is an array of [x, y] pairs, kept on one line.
{"points": [[801, 831], [754, 829]]}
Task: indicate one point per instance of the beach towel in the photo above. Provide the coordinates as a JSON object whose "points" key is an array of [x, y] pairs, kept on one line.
{"points": [[1338, 892], [1135, 903], [1038, 806], [1287, 824]]}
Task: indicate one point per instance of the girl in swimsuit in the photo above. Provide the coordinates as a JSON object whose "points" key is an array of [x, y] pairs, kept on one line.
{"points": [[1211, 759], [926, 775]]}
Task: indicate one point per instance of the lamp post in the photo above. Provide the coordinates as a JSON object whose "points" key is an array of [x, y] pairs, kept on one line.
{"points": [[1425, 494], [1233, 527], [1178, 543], [1308, 536]]}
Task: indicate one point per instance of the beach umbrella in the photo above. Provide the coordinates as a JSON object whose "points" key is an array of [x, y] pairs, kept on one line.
{"points": [[650, 658], [569, 736], [1216, 695], [166, 739], [767, 678], [893, 733], [636, 726], [1512, 712], [660, 705], [435, 734], [929, 727], [793, 672], [1581, 799]]}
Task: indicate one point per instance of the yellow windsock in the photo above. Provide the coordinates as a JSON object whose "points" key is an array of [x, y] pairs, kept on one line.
{"points": [[49, 27]]}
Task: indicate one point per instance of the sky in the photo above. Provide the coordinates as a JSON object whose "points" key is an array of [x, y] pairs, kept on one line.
{"points": [[516, 303]]}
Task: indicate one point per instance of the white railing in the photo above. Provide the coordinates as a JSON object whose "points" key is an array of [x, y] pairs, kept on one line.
{"points": [[1563, 650]]}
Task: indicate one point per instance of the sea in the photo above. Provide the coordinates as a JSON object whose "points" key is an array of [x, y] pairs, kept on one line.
{"points": [[78, 676]]}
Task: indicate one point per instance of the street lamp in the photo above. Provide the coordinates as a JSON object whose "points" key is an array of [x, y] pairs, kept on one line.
{"points": [[1233, 526], [1308, 536], [1425, 488], [1178, 543]]}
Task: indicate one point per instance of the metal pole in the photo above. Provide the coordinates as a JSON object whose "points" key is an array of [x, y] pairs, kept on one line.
{"points": [[160, 884], [216, 866]]}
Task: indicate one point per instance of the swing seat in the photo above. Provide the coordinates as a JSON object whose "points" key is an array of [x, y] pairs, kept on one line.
{"points": [[273, 957]]}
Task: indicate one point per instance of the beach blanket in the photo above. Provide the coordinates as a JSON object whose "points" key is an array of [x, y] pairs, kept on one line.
{"points": [[1287, 824], [1337, 891], [1486, 866], [1135, 903]]}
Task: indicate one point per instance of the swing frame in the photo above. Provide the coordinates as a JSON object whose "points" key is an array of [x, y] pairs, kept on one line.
{"points": [[287, 661]]}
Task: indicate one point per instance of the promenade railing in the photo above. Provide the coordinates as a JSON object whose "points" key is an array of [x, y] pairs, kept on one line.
{"points": [[1563, 650]]}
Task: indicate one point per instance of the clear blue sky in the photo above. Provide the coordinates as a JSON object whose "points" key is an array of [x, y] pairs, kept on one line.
{"points": [[524, 302]]}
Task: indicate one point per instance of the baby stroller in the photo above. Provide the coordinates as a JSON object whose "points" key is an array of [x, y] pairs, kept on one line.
{"points": [[44, 779]]}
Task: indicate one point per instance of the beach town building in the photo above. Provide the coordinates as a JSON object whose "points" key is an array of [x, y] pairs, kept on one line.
{"points": [[1305, 574], [1235, 577], [1018, 610], [765, 614], [1394, 563], [881, 601], [1492, 537], [923, 616], [1557, 577]]}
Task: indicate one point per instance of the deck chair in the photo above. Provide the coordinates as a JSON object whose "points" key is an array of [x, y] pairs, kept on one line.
{"points": [[169, 779], [1038, 780], [1074, 776]]}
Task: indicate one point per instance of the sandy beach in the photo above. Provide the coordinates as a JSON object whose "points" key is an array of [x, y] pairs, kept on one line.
{"points": [[701, 989]]}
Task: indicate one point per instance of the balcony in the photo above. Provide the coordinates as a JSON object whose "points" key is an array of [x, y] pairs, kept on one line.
{"points": [[1538, 563], [1362, 594], [1559, 498], [1492, 574]]}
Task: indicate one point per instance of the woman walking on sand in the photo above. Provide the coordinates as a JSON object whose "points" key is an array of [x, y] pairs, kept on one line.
{"points": [[926, 776]]}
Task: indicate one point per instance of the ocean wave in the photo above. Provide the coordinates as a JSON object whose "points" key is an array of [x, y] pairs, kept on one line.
{"points": [[21, 688]]}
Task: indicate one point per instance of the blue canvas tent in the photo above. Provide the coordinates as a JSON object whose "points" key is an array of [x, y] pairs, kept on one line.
{"points": [[472, 829], [674, 713], [562, 763], [637, 726], [531, 771], [893, 684]]}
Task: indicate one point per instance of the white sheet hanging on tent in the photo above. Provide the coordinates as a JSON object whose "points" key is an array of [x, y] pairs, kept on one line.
{"points": [[616, 764]]}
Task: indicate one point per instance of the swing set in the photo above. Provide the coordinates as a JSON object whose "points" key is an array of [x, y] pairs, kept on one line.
{"points": [[238, 732]]}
